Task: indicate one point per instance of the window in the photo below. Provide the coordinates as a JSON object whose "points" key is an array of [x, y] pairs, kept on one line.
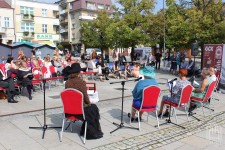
{"points": [[26, 10], [1, 36], [91, 6], [73, 25], [6, 22], [26, 26], [107, 7], [44, 28], [44, 12], [100, 6]]}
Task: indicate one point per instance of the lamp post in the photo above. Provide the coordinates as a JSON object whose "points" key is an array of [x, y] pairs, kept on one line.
{"points": [[164, 29]]}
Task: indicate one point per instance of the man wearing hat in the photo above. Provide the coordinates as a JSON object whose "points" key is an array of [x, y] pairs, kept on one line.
{"points": [[149, 79]]}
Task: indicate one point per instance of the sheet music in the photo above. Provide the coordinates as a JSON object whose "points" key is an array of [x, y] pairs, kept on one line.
{"points": [[169, 85]]}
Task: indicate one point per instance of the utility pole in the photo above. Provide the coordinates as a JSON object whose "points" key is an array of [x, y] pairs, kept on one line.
{"points": [[164, 30]]}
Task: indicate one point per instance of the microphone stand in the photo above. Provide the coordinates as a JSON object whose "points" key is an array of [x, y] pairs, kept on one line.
{"points": [[45, 126], [121, 125], [169, 120]]}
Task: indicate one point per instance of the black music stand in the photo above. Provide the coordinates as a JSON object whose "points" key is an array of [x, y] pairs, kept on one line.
{"points": [[169, 120], [121, 125], [45, 126]]}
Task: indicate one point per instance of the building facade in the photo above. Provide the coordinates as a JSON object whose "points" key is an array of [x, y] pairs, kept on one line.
{"points": [[72, 13], [7, 28], [36, 22]]}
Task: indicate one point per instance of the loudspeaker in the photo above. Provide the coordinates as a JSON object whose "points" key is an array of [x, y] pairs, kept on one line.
{"points": [[194, 49]]}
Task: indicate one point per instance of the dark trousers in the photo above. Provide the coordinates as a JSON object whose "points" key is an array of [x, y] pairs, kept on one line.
{"points": [[157, 64], [9, 86]]}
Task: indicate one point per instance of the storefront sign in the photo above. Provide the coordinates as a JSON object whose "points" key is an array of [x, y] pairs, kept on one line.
{"points": [[44, 36]]}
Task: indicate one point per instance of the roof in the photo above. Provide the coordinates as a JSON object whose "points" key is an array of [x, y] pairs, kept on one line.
{"points": [[4, 4], [29, 44]]}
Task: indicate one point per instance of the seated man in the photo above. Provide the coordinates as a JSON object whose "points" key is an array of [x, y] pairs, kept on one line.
{"points": [[8, 84], [149, 79]]}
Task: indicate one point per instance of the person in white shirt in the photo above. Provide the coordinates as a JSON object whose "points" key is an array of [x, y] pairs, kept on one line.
{"points": [[212, 73]]}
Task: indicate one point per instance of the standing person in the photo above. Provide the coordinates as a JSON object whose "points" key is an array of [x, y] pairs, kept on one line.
{"points": [[115, 57], [38, 53], [33, 52], [94, 54], [149, 79], [166, 60], [173, 60], [158, 56], [183, 64], [190, 67], [91, 111], [25, 78], [123, 59]]}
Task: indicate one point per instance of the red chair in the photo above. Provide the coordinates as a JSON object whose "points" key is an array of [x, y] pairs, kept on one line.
{"points": [[205, 99], [184, 101], [216, 90], [72, 100], [44, 70], [149, 99]]}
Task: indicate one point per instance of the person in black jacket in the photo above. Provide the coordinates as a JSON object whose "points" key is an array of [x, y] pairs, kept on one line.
{"points": [[8, 84], [25, 78]]}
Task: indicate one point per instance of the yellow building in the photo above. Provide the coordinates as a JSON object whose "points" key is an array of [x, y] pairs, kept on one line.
{"points": [[36, 21]]}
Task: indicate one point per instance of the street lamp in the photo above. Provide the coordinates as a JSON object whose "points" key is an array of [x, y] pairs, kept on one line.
{"points": [[164, 30]]}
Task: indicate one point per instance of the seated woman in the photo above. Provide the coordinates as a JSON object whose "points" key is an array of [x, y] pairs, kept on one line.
{"points": [[25, 78], [176, 91], [135, 71], [92, 67], [128, 72], [200, 92], [149, 74], [104, 69], [77, 83], [10, 67]]}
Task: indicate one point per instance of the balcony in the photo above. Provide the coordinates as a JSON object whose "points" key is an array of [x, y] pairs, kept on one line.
{"points": [[27, 17], [86, 18], [56, 22], [62, 12], [65, 40], [64, 21], [63, 30], [28, 35], [2, 30]]}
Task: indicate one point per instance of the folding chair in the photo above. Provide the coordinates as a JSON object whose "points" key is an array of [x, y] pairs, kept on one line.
{"points": [[183, 103], [72, 100], [215, 90], [205, 99], [149, 103]]}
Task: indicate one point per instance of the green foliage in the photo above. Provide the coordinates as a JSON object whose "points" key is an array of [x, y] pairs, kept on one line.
{"points": [[60, 47]]}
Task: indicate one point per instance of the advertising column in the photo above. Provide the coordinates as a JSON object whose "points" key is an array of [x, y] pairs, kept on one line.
{"points": [[222, 76], [212, 56]]}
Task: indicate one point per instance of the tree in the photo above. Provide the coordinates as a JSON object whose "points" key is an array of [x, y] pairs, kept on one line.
{"points": [[93, 33], [200, 20], [134, 15]]}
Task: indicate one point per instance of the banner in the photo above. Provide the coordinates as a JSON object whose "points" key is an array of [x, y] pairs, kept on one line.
{"points": [[222, 75], [212, 56]]}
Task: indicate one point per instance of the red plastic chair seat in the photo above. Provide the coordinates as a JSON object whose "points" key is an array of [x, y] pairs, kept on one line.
{"points": [[171, 103], [196, 99], [145, 109]]}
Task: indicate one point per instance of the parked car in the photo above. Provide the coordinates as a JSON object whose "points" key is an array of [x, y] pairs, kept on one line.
{"points": [[75, 54]]}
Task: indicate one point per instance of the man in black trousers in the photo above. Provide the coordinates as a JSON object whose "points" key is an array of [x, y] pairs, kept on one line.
{"points": [[158, 56]]}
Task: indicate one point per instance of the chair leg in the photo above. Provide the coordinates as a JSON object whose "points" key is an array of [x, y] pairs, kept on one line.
{"points": [[139, 123], [175, 114], [85, 132], [62, 130], [203, 109], [147, 116], [185, 108], [156, 114]]}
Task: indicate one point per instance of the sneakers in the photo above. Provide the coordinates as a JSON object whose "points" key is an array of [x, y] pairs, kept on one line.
{"points": [[133, 119]]}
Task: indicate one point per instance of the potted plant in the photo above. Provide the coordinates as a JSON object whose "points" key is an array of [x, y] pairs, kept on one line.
{"points": [[32, 33], [25, 33], [25, 16], [32, 16]]}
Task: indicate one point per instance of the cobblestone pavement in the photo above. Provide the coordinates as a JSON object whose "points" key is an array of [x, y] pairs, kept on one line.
{"points": [[169, 135]]}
